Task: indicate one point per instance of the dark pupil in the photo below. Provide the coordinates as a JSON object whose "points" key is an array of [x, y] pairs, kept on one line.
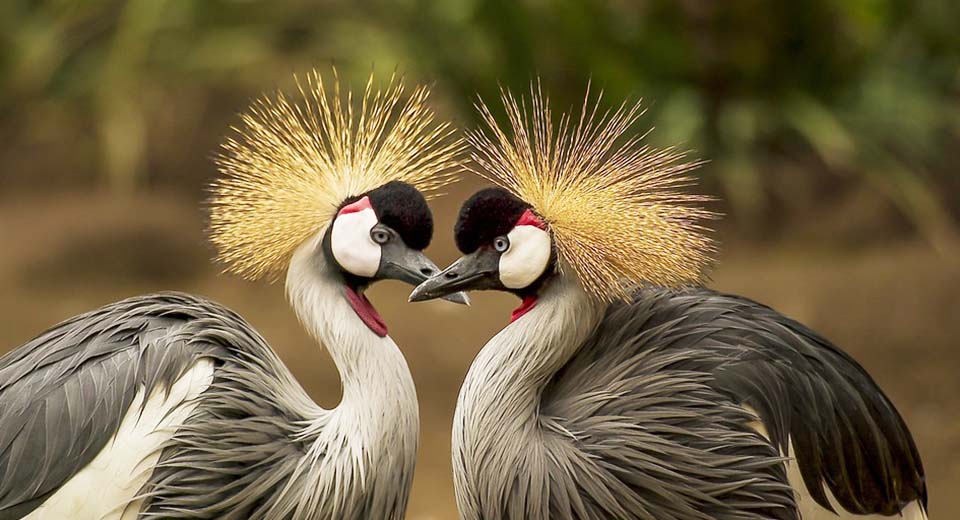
{"points": [[500, 244], [380, 236]]}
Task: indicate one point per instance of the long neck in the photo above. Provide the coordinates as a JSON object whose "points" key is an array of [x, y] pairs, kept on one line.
{"points": [[377, 417], [507, 378], [370, 366], [497, 416]]}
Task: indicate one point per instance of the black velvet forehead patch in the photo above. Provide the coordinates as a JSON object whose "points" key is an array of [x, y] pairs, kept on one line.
{"points": [[404, 209], [486, 215]]}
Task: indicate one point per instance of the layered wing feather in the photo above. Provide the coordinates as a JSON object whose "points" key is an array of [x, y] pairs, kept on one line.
{"points": [[64, 394], [847, 435]]}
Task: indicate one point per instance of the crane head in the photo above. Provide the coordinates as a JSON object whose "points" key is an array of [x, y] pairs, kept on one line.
{"points": [[583, 198], [380, 235], [506, 246], [300, 163], [328, 172]]}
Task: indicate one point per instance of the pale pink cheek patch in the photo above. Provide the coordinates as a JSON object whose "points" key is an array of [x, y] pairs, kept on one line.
{"points": [[355, 207], [529, 219]]}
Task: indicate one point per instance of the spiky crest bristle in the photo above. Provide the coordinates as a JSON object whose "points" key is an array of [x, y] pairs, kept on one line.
{"points": [[616, 207], [291, 163]]}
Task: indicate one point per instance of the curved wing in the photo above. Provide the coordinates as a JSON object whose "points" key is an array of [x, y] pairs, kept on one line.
{"points": [[845, 432], [64, 394]]}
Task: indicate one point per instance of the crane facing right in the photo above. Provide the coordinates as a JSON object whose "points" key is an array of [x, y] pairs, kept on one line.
{"points": [[623, 387]]}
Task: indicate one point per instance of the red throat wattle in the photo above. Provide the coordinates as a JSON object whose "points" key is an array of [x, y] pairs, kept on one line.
{"points": [[365, 311], [528, 303]]}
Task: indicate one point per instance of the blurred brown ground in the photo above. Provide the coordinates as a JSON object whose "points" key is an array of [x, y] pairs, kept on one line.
{"points": [[893, 305]]}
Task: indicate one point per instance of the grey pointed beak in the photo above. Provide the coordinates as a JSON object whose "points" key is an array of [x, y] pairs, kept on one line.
{"points": [[400, 262], [476, 271]]}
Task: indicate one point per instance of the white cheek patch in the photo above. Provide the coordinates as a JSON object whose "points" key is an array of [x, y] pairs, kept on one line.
{"points": [[351, 244], [526, 258]]}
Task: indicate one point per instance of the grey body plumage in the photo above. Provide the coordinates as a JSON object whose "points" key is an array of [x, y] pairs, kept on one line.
{"points": [[246, 451], [646, 410], [609, 424]]}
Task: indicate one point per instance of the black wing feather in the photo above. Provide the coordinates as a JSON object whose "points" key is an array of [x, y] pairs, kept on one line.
{"points": [[845, 431]]}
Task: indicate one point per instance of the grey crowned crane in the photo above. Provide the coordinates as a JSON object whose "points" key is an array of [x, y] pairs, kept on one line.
{"points": [[623, 388], [172, 406]]}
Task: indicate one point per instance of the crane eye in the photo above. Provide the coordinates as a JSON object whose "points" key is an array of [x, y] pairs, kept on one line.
{"points": [[501, 244], [379, 236]]}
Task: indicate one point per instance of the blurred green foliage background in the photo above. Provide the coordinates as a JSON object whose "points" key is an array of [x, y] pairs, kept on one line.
{"points": [[831, 130], [796, 105]]}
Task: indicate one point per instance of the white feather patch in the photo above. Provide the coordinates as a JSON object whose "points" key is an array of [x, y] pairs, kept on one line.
{"points": [[526, 258], [351, 244], [108, 484]]}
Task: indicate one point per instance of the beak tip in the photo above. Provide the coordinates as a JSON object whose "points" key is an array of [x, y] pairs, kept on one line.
{"points": [[419, 295], [416, 296]]}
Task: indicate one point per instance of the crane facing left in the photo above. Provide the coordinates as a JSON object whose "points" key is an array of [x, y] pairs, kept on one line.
{"points": [[171, 406]]}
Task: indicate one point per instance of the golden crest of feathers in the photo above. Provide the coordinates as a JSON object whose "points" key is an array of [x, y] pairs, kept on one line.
{"points": [[615, 206], [293, 162]]}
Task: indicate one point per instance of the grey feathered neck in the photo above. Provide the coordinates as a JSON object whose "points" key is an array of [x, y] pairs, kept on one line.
{"points": [[502, 390]]}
